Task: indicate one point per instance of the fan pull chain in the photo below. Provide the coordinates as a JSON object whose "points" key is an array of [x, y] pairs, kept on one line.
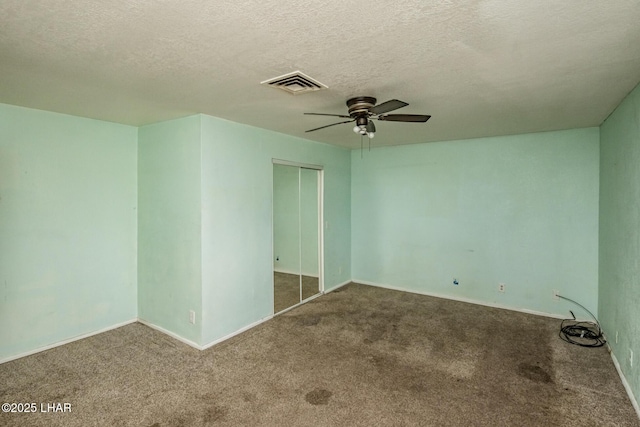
{"points": [[361, 146]]}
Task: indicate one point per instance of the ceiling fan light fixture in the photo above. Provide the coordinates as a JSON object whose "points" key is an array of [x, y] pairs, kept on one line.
{"points": [[361, 125]]}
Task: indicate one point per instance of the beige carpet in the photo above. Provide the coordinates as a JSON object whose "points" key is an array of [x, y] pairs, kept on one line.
{"points": [[360, 356], [286, 290]]}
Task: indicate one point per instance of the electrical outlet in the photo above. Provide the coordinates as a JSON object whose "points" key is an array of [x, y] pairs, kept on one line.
{"points": [[192, 317], [502, 287], [555, 295], [630, 358], [616, 337]]}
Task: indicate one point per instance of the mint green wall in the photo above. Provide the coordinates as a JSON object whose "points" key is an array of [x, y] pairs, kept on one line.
{"points": [[67, 227], [237, 179], [286, 219], [520, 210], [619, 296], [169, 271]]}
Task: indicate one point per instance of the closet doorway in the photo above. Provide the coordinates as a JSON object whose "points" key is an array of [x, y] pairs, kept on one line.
{"points": [[297, 234]]}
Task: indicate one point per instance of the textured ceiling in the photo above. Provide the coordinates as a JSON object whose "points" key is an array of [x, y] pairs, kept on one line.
{"points": [[480, 68]]}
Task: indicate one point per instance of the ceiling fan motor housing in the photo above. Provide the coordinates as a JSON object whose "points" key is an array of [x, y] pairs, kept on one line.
{"points": [[359, 107]]}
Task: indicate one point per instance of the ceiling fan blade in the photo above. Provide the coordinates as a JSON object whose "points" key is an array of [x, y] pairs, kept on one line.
{"points": [[371, 127], [332, 124], [415, 118], [323, 114], [385, 107]]}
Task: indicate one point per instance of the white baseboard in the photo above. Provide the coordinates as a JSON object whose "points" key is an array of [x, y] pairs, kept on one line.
{"points": [[233, 334], [171, 334], [160, 329], [462, 299], [67, 341], [626, 385]]}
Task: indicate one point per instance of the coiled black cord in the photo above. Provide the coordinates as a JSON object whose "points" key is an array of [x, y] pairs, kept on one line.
{"points": [[585, 334]]}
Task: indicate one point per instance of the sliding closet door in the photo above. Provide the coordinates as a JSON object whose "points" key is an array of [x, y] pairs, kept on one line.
{"points": [[286, 237], [309, 230], [297, 209]]}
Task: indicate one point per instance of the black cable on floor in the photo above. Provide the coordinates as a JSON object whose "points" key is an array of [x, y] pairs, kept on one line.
{"points": [[585, 334]]}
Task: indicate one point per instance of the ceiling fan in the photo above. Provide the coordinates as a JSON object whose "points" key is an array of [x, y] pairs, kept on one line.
{"points": [[363, 110]]}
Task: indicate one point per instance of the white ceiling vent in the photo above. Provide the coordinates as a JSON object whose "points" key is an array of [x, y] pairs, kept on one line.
{"points": [[295, 83]]}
